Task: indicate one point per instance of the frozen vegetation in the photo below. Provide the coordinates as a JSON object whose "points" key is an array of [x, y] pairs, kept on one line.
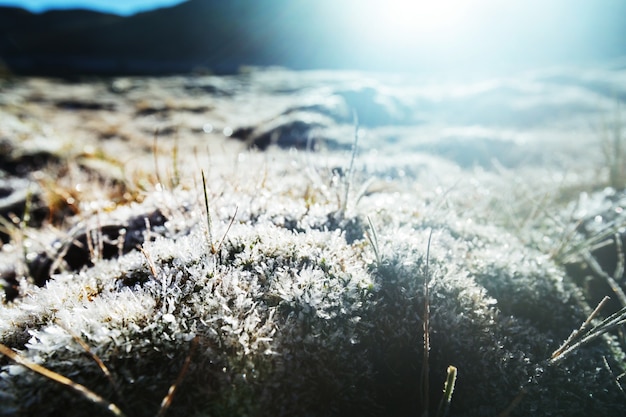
{"points": [[293, 283]]}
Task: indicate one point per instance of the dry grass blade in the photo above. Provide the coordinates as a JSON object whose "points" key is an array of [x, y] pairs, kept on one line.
{"points": [[175, 179], [232, 220], [619, 268], [372, 236], [155, 154], [424, 383], [81, 389], [518, 399], [167, 400], [581, 329], [612, 281], [208, 215], [583, 337], [615, 378], [585, 334], [363, 191], [96, 359], [151, 264], [348, 177]]}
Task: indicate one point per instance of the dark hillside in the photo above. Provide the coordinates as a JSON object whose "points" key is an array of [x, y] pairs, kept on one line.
{"points": [[221, 36]]}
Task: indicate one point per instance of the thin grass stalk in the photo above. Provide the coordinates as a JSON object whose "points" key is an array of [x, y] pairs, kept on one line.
{"points": [[81, 389], [372, 236], [175, 181], [583, 337], [518, 399], [448, 390], [348, 177], [619, 268], [155, 154], [167, 400], [151, 264], [232, 220], [96, 358], [615, 378], [595, 266], [424, 382], [583, 327], [208, 214]]}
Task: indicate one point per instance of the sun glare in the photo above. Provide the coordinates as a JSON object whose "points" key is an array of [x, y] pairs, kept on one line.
{"points": [[401, 32], [402, 18], [421, 22]]}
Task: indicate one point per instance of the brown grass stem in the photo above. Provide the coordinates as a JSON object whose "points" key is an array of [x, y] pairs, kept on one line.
{"points": [[81, 389]]}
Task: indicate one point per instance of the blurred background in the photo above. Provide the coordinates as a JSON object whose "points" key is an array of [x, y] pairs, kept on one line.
{"points": [[448, 38]]}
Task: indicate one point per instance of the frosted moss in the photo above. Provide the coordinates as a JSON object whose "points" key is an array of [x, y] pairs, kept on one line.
{"points": [[296, 314]]}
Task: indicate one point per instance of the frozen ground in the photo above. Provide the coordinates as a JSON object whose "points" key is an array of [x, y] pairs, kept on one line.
{"points": [[305, 295]]}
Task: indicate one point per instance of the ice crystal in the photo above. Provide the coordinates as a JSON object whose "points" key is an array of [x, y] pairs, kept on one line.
{"points": [[295, 314]]}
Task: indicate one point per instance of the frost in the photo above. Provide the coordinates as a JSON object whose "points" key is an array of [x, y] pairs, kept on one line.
{"points": [[293, 313]]}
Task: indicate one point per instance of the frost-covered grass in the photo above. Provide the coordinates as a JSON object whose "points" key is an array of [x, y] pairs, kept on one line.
{"points": [[296, 312]]}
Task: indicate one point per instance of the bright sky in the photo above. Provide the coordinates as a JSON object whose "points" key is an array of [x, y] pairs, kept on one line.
{"points": [[439, 33], [490, 33], [121, 7]]}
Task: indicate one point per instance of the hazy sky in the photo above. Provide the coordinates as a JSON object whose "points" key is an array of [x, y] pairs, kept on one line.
{"points": [[489, 33], [121, 7], [435, 35]]}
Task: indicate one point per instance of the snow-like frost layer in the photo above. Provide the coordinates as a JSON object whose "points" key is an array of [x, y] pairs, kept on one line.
{"points": [[293, 315]]}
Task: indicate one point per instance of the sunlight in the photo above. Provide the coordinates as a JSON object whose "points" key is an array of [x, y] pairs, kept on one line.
{"points": [[431, 33], [426, 24], [401, 19]]}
